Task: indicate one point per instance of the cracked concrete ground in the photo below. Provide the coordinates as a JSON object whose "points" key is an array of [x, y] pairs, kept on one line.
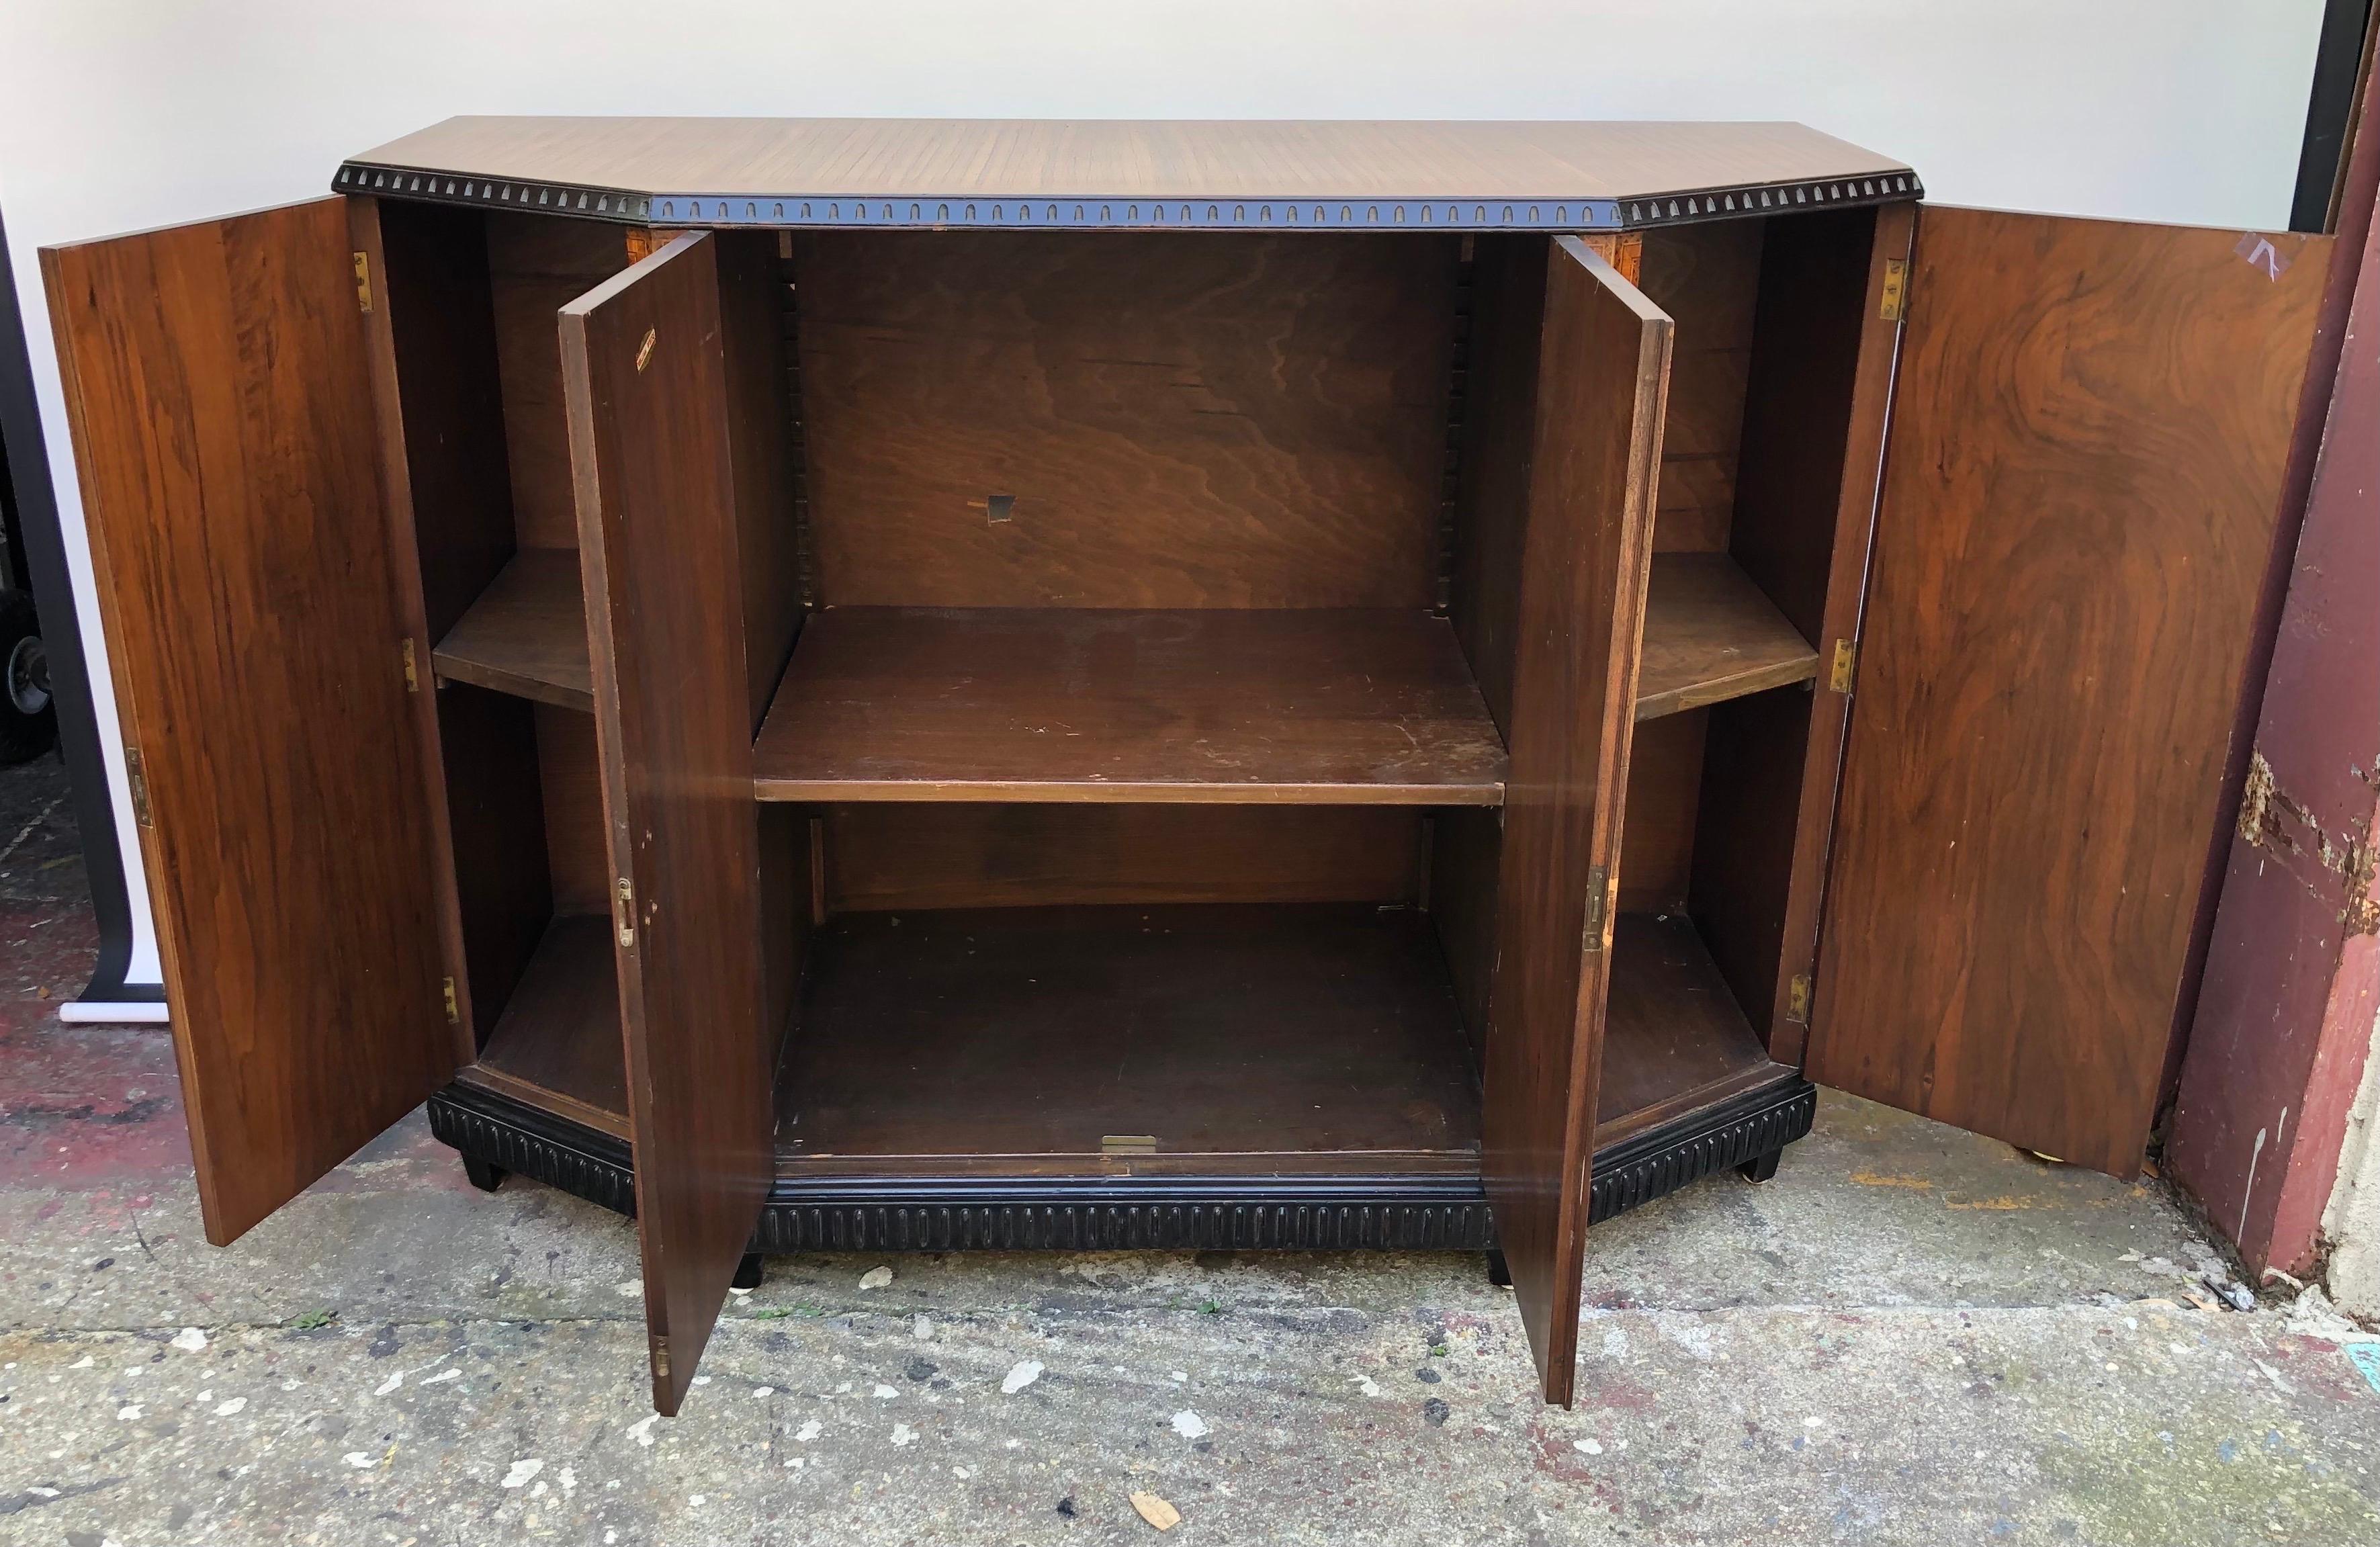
{"points": [[1910, 1335]]}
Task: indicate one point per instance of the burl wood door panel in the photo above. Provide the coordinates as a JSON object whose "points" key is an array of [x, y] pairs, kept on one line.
{"points": [[644, 376], [2080, 494], [1603, 374], [224, 433]]}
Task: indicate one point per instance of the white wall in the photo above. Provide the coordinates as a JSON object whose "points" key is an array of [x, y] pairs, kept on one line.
{"points": [[2352, 1220], [117, 114]]}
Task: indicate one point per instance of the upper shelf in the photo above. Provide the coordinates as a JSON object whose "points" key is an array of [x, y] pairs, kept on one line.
{"points": [[1312, 707], [525, 635], [1711, 634], [1092, 174]]}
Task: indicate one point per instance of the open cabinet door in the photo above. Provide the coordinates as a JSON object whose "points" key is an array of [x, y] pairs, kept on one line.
{"points": [[1602, 381], [644, 380], [2081, 486], [231, 485]]}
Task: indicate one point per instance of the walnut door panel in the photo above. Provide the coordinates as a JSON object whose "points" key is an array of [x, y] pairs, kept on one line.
{"points": [[224, 430], [645, 380], [1593, 454], [2080, 494]]}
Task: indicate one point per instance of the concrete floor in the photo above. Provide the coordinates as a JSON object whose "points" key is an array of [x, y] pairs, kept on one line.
{"points": [[1910, 1335]]}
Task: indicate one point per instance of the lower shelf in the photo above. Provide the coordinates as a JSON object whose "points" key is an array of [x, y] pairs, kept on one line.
{"points": [[558, 1044], [1108, 1041], [1197, 1076], [1145, 1213]]}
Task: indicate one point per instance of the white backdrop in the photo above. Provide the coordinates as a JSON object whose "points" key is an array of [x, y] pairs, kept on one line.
{"points": [[121, 113]]}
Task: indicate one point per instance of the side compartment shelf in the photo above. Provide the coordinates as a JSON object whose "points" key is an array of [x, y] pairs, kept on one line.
{"points": [[557, 1045], [525, 635], [1711, 634]]}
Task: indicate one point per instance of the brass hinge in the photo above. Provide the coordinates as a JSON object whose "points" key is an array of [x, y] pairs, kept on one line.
{"points": [[454, 1010], [1895, 290], [136, 773], [661, 1357], [1797, 1000], [1846, 662], [412, 672], [363, 282], [624, 910], [1128, 1144], [1598, 893]]}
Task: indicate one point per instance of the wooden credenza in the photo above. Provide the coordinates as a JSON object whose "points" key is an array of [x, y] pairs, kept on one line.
{"points": [[881, 685]]}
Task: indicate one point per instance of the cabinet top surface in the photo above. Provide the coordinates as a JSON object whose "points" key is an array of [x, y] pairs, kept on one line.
{"points": [[1096, 174]]}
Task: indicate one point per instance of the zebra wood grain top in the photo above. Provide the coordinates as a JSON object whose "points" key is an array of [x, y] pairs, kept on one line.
{"points": [[1036, 173]]}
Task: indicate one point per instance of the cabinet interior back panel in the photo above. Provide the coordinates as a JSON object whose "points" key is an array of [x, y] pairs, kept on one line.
{"points": [[1708, 278], [537, 265], [1151, 420]]}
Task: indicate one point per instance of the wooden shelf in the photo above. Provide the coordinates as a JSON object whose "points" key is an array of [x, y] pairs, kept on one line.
{"points": [[557, 1045], [525, 635], [1237, 1040], [1675, 1040], [1711, 634], [1314, 707]]}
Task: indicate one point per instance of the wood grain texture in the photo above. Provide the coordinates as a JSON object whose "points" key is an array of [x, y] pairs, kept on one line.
{"points": [[1466, 846], [1308, 706], [898, 858], [1710, 634], [1604, 366], [1747, 843], [557, 1045], [1706, 278], [1239, 1039], [537, 265], [217, 383], [570, 780], [1803, 531], [1675, 1040], [1499, 424], [1665, 781], [496, 823], [445, 546], [755, 307], [526, 634], [645, 376], [2086, 451], [440, 398], [1192, 420], [1189, 159]]}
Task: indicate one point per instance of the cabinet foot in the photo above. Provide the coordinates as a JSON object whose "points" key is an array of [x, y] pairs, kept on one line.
{"points": [[486, 1176], [747, 1272], [1761, 1168], [1500, 1273]]}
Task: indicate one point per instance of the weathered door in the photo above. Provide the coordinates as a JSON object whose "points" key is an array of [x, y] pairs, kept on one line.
{"points": [[2081, 486], [644, 378], [1602, 381], [224, 433]]}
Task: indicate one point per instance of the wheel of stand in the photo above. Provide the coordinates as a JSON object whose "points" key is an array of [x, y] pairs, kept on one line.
{"points": [[28, 719]]}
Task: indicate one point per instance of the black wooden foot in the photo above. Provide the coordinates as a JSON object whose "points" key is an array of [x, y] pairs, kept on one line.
{"points": [[1761, 1167], [486, 1176], [1500, 1273], [747, 1272]]}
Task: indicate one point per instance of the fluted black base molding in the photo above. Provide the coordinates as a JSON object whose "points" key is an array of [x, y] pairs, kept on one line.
{"points": [[1007, 1213]]}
